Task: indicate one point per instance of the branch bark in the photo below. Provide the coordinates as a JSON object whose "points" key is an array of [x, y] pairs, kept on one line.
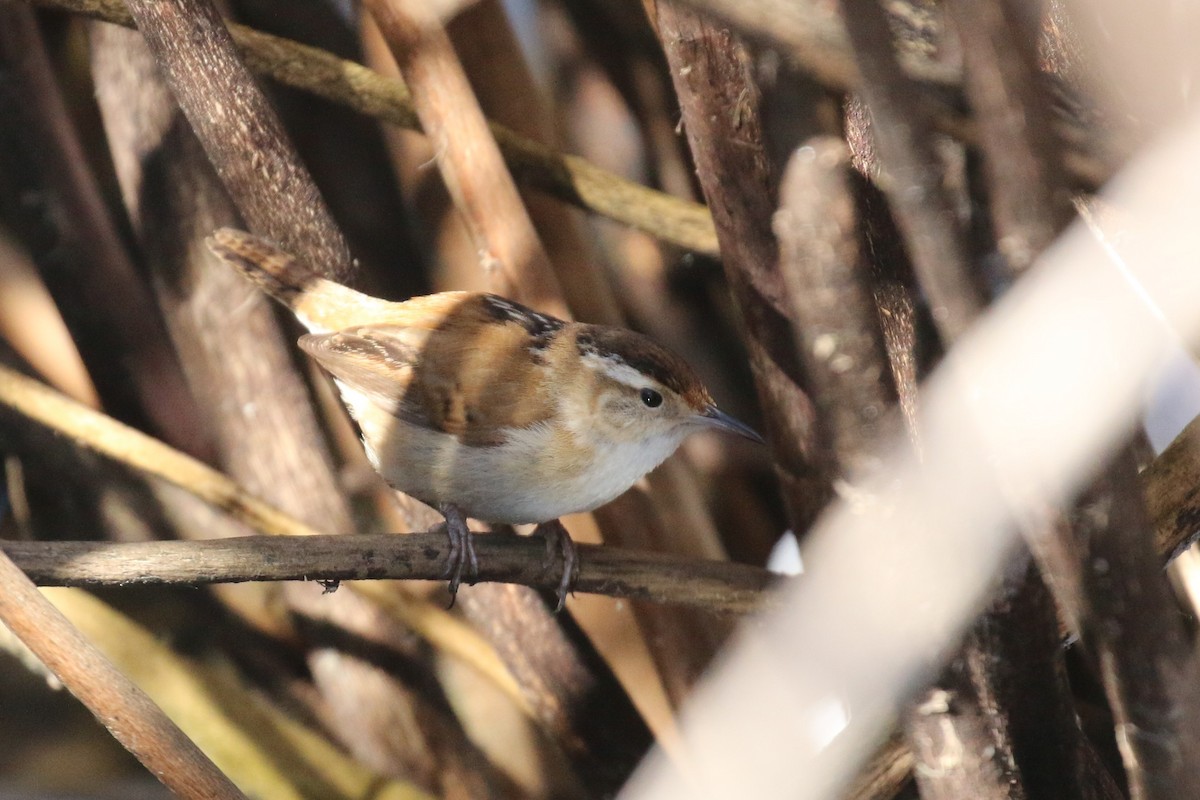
{"points": [[1171, 485], [714, 585], [241, 134], [830, 287], [816, 37], [719, 102], [1114, 594], [1029, 200]]}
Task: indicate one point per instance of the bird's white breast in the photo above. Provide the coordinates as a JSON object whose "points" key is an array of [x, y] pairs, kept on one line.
{"points": [[526, 479]]}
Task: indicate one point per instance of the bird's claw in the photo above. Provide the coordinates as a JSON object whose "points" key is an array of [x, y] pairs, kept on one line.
{"points": [[560, 543], [461, 555]]}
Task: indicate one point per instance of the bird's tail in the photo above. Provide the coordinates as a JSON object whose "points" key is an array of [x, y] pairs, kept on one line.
{"points": [[320, 304]]}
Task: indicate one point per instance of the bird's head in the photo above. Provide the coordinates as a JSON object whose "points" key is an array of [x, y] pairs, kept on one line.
{"points": [[628, 388]]}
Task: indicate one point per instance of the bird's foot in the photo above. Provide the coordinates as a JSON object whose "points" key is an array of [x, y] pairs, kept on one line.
{"points": [[461, 556], [560, 543]]}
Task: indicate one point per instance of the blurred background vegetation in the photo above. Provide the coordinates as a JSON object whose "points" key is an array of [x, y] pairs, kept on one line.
{"points": [[810, 206]]}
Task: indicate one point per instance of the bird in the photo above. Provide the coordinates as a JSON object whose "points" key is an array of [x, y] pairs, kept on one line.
{"points": [[484, 408]]}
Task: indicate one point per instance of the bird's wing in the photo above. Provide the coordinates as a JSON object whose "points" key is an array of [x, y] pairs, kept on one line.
{"points": [[475, 382], [374, 360]]}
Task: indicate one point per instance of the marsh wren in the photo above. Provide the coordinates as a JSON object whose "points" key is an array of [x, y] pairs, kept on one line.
{"points": [[483, 408]]}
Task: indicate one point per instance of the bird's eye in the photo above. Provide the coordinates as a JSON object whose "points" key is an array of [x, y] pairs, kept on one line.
{"points": [[651, 398]]}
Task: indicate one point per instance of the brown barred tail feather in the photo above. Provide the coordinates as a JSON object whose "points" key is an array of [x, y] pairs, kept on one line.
{"points": [[278, 273], [320, 304]]}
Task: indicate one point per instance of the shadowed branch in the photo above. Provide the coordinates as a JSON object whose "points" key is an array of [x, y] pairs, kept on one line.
{"points": [[715, 585]]}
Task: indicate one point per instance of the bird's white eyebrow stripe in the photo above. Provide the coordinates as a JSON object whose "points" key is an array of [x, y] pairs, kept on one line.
{"points": [[618, 370]]}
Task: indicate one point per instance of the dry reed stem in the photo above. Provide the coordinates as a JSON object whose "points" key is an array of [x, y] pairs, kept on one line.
{"points": [[116, 701], [924, 213], [508, 93], [467, 155], [569, 178], [266, 751], [814, 35], [240, 131], [829, 282], [72, 238]]}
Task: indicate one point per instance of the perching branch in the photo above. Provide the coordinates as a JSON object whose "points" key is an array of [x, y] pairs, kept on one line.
{"points": [[713, 585], [729, 588], [569, 178]]}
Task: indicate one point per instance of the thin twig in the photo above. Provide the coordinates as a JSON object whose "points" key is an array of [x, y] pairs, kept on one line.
{"points": [[131, 716], [714, 585], [569, 178]]}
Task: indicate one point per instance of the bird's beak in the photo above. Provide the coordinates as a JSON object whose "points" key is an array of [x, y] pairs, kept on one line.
{"points": [[716, 418]]}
